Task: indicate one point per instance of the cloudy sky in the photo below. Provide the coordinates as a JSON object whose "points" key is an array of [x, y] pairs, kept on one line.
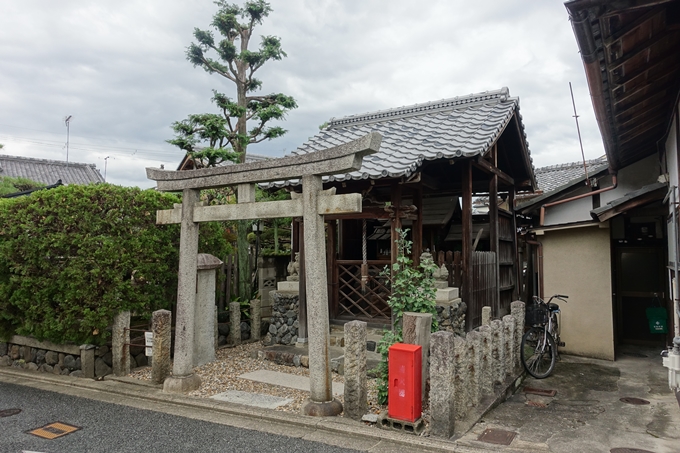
{"points": [[119, 69]]}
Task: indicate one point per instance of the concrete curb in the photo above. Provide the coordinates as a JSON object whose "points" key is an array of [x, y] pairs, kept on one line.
{"points": [[338, 426]]}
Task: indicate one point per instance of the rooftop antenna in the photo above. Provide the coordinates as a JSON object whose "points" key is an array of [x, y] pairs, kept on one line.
{"points": [[67, 120], [583, 155]]}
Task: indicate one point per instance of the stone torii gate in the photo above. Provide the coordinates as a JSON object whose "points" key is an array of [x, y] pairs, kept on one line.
{"points": [[313, 203]]}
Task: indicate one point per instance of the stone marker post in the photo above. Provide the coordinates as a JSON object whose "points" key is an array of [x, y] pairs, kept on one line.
{"points": [[417, 328], [509, 348], [204, 310], [235, 323], [355, 370], [486, 376], [486, 315], [474, 340], [87, 360], [517, 311], [462, 384], [442, 395], [255, 319], [120, 339], [321, 400], [183, 379], [498, 350], [161, 321]]}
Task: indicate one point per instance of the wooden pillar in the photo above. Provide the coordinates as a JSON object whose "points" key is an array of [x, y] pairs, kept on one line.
{"points": [[396, 221], [517, 263], [302, 296], [493, 238], [417, 233], [467, 235], [331, 268]]}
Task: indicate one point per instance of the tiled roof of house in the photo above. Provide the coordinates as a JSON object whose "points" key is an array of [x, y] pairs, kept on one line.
{"points": [[554, 176], [458, 127], [49, 171]]}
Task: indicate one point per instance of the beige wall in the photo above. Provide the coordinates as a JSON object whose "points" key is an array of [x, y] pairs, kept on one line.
{"points": [[577, 262]]}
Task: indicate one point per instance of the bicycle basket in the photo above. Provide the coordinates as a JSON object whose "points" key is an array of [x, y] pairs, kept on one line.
{"points": [[536, 314]]}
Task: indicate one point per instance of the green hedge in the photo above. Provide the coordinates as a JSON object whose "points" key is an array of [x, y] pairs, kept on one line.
{"points": [[74, 256]]}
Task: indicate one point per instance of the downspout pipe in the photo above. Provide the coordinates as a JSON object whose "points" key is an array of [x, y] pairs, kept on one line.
{"points": [[615, 183], [539, 256]]}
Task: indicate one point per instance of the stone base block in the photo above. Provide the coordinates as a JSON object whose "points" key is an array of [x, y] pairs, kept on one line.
{"points": [[289, 287], [182, 384], [447, 294], [440, 284], [322, 409], [386, 422]]}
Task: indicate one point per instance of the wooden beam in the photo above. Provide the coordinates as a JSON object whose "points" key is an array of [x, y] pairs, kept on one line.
{"points": [[396, 221], [493, 235], [642, 71], [638, 50], [632, 26], [489, 168]]}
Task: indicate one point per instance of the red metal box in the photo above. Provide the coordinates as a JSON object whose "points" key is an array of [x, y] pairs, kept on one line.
{"points": [[405, 382]]}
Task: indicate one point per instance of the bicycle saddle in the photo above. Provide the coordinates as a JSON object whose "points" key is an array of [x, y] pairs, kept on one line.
{"points": [[553, 306]]}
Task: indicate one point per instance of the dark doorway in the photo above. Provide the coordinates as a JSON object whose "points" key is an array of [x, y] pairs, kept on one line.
{"points": [[640, 284]]}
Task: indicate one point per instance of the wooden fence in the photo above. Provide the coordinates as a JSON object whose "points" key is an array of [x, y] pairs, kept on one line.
{"points": [[454, 264], [484, 291]]}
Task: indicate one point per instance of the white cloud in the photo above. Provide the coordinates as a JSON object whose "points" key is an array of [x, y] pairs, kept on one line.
{"points": [[120, 70]]}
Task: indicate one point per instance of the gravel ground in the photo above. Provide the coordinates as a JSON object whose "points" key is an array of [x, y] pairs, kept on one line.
{"points": [[222, 375]]}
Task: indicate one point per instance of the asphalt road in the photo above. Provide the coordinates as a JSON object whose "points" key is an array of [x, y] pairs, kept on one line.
{"points": [[106, 427]]}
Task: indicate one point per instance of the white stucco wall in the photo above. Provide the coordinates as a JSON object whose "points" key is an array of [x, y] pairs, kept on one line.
{"points": [[577, 262]]}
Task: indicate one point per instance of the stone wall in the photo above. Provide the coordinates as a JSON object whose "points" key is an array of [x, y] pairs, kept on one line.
{"points": [[283, 327], [451, 317], [30, 354]]}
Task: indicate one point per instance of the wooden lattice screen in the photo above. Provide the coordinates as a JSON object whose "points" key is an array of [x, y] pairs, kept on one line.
{"points": [[353, 303]]}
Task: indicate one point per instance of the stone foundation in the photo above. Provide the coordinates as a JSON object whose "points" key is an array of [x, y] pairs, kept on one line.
{"points": [[78, 361], [451, 317], [283, 327]]}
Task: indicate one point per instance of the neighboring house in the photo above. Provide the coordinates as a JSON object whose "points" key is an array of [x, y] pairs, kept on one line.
{"points": [[49, 172], [611, 245], [434, 158]]}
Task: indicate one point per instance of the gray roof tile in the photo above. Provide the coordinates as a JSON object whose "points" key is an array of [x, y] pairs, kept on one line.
{"points": [[458, 127], [49, 171], [554, 176]]}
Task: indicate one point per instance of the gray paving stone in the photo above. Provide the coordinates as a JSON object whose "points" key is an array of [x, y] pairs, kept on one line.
{"points": [[252, 399], [287, 380]]}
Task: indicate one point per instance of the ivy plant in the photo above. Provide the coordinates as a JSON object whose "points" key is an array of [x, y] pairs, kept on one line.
{"points": [[413, 291]]}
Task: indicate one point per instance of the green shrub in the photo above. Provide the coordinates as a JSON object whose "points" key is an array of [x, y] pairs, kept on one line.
{"points": [[10, 185], [74, 256]]}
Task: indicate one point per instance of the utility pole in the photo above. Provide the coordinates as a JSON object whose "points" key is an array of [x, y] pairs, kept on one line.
{"points": [[106, 162], [67, 120]]}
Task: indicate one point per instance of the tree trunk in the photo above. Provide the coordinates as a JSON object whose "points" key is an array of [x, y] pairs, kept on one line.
{"points": [[244, 290]]}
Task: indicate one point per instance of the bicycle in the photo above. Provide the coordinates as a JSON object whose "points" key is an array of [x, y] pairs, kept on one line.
{"points": [[538, 350]]}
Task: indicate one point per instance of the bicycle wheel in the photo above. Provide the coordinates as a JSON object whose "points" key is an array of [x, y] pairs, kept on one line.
{"points": [[538, 352]]}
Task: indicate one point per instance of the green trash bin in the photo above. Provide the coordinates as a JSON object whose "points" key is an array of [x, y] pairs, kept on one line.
{"points": [[658, 320]]}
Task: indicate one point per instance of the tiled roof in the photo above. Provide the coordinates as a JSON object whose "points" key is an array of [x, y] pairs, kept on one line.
{"points": [[554, 176], [458, 127], [49, 171]]}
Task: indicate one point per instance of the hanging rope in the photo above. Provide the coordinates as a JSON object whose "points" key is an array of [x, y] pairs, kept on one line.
{"points": [[364, 263]]}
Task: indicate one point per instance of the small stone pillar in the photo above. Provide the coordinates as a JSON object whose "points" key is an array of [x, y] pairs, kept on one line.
{"points": [[509, 343], [255, 319], [120, 339], [442, 394], [161, 321], [417, 328], [486, 377], [356, 391], [517, 310], [235, 321], [204, 310], [486, 316], [463, 388], [498, 351], [87, 360], [474, 341]]}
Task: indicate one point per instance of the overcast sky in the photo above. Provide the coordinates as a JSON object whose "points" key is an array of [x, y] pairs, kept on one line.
{"points": [[119, 69]]}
